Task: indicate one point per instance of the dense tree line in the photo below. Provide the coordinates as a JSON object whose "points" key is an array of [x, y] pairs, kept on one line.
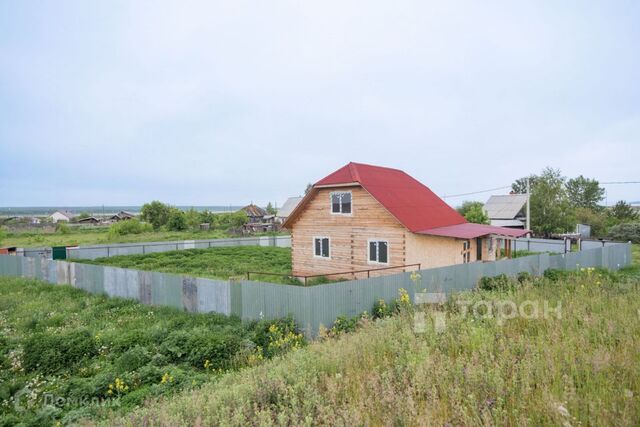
{"points": [[558, 204], [164, 216]]}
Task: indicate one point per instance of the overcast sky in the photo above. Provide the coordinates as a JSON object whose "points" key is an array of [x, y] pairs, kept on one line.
{"points": [[208, 103]]}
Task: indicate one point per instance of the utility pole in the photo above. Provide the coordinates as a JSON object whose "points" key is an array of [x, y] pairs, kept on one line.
{"points": [[528, 206]]}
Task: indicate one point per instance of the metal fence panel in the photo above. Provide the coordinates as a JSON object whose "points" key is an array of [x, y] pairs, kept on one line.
{"points": [[166, 289], [105, 251], [214, 295], [310, 306]]}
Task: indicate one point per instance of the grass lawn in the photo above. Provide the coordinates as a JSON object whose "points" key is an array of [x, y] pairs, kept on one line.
{"points": [[581, 367], [90, 354], [216, 263], [98, 236]]}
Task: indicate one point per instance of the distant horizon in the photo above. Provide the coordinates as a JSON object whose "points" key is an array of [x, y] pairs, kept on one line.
{"points": [[103, 210]]}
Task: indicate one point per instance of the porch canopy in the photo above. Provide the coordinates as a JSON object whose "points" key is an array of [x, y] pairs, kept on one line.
{"points": [[470, 230]]}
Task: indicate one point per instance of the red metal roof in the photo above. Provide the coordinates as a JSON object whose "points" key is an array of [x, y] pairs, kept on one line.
{"points": [[412, 203], [470, 231]]}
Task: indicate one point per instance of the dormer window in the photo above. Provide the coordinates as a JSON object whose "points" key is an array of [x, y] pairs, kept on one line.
{"points": [[341, 202]]}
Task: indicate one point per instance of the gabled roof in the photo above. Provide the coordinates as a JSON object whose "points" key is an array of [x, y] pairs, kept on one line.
{"points": [[413, 204], [65, 213], [288, 206], [506, 206], [253, 210]]}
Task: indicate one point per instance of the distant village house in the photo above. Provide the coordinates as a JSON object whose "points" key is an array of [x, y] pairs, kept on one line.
{"points": [[286, 209], [61, 216], [122, 216], [507, 210]]}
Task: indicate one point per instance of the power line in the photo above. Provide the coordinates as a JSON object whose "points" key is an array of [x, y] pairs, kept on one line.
{"points": [[476, 192], [508, 186], [621, 182]]}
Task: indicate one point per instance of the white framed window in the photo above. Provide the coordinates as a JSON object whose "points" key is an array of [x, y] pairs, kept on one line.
{"points": [[341, 202], [322, 247], [466, 251], [378, 252]]}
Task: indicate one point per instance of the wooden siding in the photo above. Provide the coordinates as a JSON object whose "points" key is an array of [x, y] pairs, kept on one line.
{"points": [[349, 236]]}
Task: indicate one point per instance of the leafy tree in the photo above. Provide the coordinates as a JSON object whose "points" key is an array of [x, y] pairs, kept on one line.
{"points": [[309, 187], [62, 227], [231, 220], [156, 213], [238, 219], [623, 212], [207, 217], [625, 232], [584, 192], [520, 185], [596, 218], [270, 209], [193, 218], [474, 212], [176, 220], [550, 208], [130, 226], [83, 215]]}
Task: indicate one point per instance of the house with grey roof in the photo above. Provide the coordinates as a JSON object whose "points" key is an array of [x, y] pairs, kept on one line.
{"points": [[287, 208], [507, 210]]}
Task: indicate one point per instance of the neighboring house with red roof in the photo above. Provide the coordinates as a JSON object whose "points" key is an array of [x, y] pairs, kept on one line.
{"points": [[368, 217]]}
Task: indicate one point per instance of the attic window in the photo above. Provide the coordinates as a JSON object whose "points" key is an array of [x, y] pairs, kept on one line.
{"points": [[341, 202]]}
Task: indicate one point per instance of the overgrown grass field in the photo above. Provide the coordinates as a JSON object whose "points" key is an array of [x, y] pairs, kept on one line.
{"points": [[216, 263], [66, 354], [579, 365], [100, 235]]}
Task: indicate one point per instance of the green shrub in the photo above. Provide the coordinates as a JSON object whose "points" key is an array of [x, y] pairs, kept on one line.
{"points": [[555, 275], [176, 220], [156, 213], [219, 348], [129, 226], [523, 276], [381, 309], [495, 283], [625, 232], [62, 227], [344, 324], [133, 359], [50, 353]]}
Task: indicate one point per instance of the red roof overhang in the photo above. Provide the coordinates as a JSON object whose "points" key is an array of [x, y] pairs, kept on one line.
{"points": [[470, 231]]}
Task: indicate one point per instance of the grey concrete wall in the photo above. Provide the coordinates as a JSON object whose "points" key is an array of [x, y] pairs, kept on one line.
{"points": [[310, 306]]}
